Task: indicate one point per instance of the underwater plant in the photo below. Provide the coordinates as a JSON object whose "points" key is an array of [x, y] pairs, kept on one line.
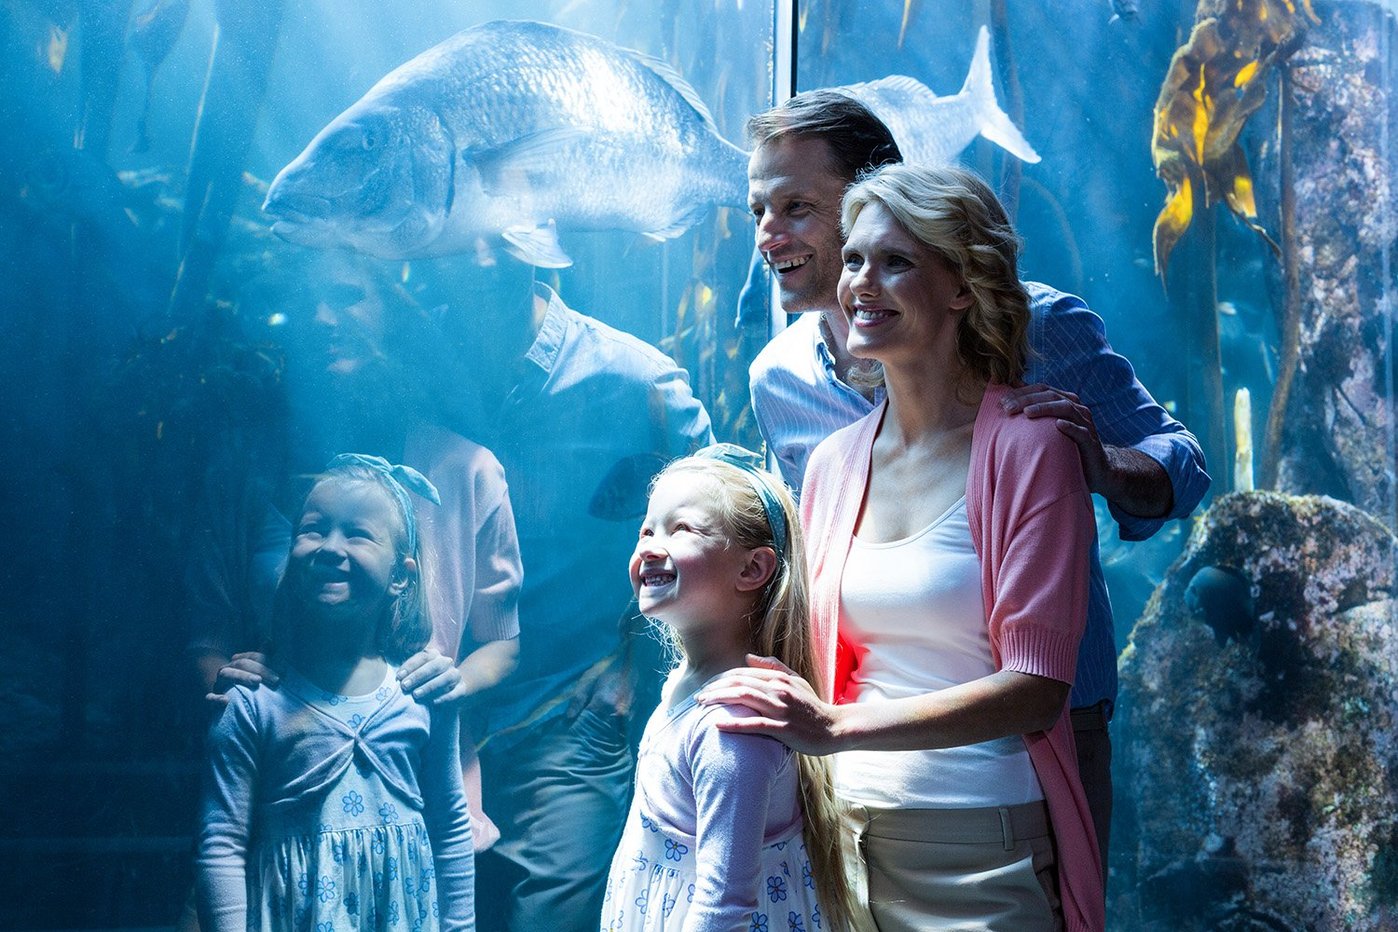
{"points": [[1215, 82]]}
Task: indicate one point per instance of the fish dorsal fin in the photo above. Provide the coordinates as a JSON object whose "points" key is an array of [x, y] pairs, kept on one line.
{"points": [[667, 73], [505, 168], [536, 245], [910, 90], [994, 124]]}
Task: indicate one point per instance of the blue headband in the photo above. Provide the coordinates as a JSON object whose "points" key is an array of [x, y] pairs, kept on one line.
{"points": [[400, 480], [752, 465]]}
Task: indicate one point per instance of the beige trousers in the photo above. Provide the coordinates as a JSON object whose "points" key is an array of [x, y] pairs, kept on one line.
{"points": [[963, 869]]}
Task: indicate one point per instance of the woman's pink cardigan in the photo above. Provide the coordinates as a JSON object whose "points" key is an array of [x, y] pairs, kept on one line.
{"points": [[1032, 526]]}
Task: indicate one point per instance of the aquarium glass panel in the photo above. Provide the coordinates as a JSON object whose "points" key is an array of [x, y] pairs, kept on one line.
{"points": [[1215, 181], [500, 243]]}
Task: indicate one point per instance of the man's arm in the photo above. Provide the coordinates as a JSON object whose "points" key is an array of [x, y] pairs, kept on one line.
{"points": [[1143, 461]]}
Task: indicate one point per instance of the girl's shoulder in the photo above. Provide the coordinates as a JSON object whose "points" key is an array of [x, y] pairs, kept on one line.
{"points": [[706, 739]]}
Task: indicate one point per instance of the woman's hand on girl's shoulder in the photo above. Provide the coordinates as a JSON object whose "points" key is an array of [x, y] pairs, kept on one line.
{"points": [[249, 669], [430, 677], [787, 708]]}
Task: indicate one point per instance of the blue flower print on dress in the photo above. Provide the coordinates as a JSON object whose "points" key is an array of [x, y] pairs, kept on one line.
{"points": [[325, 927], [382, 693], [794, 922], [674, 850], [353, 803], [391, 869], [815, 917], [325, 889], [356, 720], [389, 813], [667, 904], [643, 901], [304, 885], [339, 849], [424, 880], [649, 824], [776, 889], [759, 922], [806, 876], [689, 897], [379, 843], [393, 916], [639, 863], [352, 904]]}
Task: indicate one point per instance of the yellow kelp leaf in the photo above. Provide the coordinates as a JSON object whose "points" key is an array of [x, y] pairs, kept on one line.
{"points": [[1215, 82], [1174, 219], [1203, 110]]}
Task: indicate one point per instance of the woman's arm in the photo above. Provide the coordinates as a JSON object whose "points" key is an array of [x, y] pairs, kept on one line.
{"points": [[229, 781], [448, 822], [994, 706]]}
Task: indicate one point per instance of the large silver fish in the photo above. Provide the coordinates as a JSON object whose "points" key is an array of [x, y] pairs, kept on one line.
{"points": [[510, 128], [933, 130]]}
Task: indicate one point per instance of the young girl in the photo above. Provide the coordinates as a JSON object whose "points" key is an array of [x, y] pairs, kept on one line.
{"points": [[334, 801], [715, 840]]}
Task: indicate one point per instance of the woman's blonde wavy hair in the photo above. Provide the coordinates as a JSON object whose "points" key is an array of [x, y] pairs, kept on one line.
{"points": [[953, 212], [780, 627]]}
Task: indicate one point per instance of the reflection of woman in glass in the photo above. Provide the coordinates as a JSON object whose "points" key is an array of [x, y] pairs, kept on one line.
{"points": [[949, 550]]}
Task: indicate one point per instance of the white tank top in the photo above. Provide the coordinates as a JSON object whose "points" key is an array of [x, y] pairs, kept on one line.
{"points": [[915, 606]]}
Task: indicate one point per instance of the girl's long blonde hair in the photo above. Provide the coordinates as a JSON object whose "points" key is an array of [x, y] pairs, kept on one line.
{"points": [[780, 627]]}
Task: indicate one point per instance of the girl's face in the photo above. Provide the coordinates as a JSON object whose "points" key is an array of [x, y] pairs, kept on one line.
{"points": [[686, 571], [345, 551]]}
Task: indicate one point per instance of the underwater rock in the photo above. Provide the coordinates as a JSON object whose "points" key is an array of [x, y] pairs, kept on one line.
{"points": [[1335, 433], [1258, 773]]}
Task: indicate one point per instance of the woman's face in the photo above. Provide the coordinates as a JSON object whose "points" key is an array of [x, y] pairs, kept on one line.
{"points": [[902, 300]]}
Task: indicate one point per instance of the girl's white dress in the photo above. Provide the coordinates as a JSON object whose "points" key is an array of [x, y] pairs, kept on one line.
{"points": [[713, 840]]}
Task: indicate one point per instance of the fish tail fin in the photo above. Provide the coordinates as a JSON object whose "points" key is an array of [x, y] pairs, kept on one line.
{"points": [[994, 124]]}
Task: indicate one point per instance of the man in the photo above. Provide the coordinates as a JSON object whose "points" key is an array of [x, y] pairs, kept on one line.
{"points": [[1142, 461], [581, 415]]}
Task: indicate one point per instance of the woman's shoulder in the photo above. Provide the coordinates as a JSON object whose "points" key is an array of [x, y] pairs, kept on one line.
{"points": [[848, 440], [1018, 436]]}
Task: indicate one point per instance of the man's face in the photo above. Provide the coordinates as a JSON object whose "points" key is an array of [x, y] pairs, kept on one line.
{"points": [[794, 194]]}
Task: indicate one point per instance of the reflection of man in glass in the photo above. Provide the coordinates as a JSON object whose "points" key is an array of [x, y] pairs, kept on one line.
{"points": [[1142, 461], [348, 336], [581, 415]]}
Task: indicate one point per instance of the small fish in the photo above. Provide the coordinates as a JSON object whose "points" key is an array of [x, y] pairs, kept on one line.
{"points": [[933, 130], [1123, 9], [1221, 597], [510, 129], [621, 495]]}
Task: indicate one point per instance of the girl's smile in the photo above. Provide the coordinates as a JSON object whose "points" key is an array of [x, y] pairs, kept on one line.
{"points": [[344, 555], [685, 570]]}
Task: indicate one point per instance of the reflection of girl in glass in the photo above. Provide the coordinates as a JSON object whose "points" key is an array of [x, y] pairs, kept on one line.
{"points": [[949, 548], [335, 800], [715, 840]]}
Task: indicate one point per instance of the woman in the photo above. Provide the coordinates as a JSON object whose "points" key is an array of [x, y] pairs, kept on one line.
{"points": [[949, 549]]}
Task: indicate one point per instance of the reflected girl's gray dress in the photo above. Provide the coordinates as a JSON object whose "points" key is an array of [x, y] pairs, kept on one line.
{"points": [[340, 836]]}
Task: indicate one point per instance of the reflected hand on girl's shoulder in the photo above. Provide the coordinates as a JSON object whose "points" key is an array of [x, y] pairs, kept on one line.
{"points": [[429, 676], [248, 669], [787, 707]]}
